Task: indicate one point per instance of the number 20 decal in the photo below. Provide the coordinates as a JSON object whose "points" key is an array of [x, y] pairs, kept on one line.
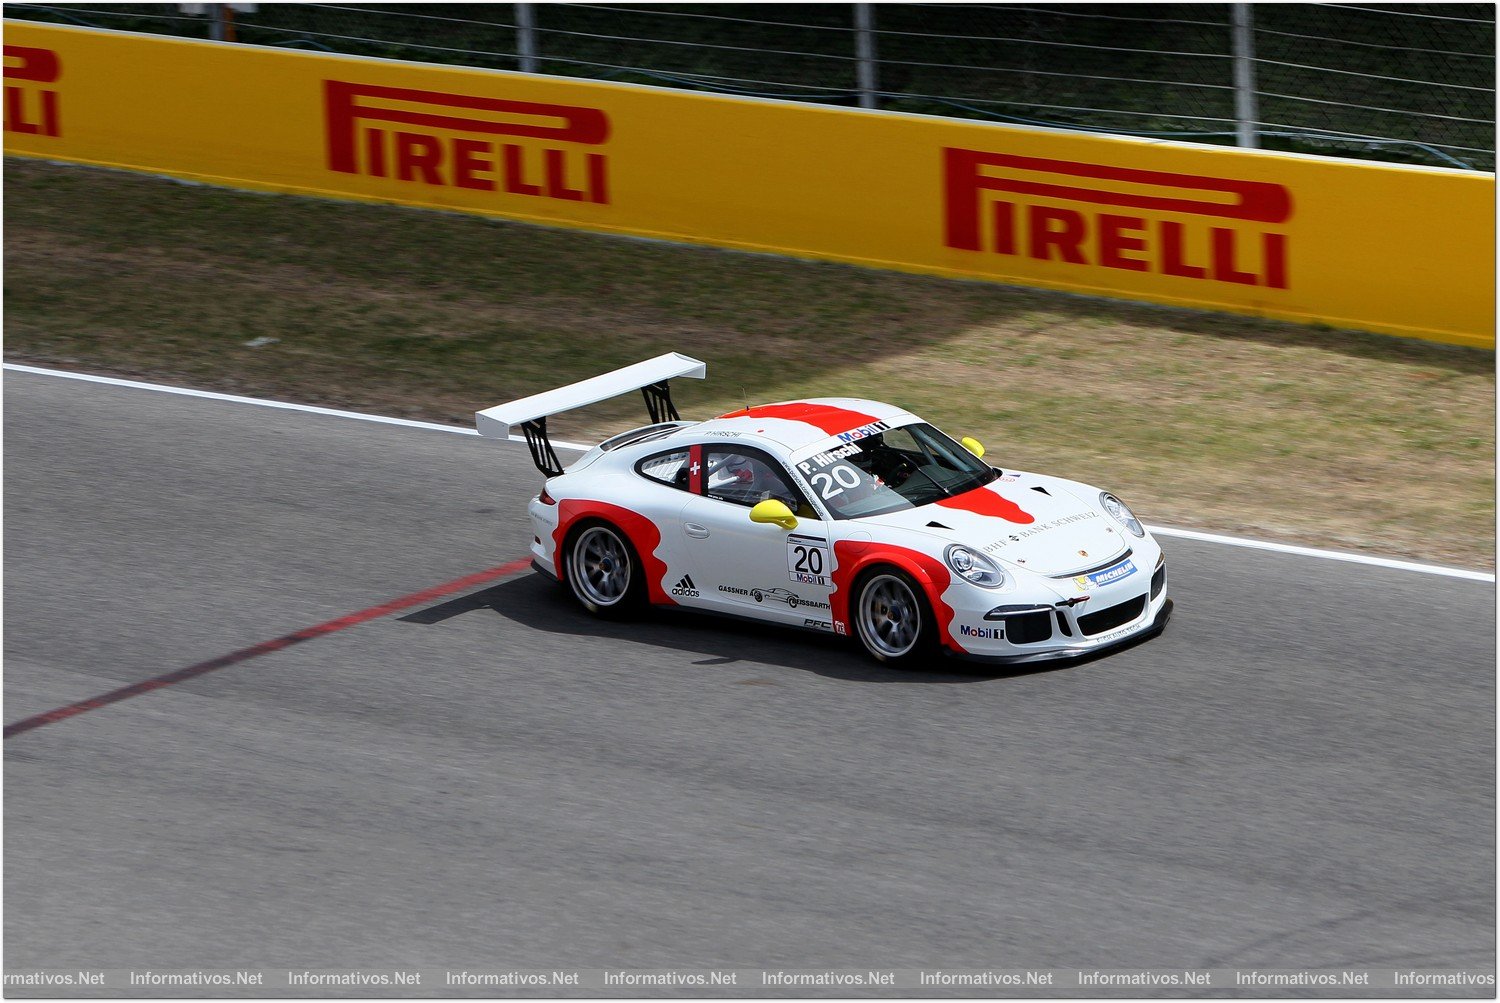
{"points": [[807, 560], [832, 483]]}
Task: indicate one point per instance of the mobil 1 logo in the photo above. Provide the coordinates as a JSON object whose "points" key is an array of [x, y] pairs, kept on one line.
{"points": [[807, 560]]}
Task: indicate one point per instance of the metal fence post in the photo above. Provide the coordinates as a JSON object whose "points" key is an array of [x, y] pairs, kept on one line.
{"points": [[526, 37], [864, 45], [1245, 111]]}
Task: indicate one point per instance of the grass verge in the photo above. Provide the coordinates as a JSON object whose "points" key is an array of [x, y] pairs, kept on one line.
{"points": [[1324, 437]]}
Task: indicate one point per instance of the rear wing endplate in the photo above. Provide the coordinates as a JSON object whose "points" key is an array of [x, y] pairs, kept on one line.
{"points": [[651, 378]]}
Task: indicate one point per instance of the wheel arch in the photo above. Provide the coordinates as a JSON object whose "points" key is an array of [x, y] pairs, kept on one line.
{"points": [[643, 535], [930, 574]]}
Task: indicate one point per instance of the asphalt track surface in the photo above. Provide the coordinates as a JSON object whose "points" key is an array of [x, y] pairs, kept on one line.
{"points": [[1298, 774]]}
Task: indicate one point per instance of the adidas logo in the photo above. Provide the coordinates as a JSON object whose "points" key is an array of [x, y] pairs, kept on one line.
{"points": [[686, 588]]}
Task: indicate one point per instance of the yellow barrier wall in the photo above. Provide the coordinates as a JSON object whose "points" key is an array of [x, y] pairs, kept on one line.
{"points": [[1406, 251]]}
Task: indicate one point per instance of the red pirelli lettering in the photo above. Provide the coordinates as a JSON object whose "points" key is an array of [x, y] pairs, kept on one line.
{"points": [[1114, 241], [469, 165], [29, 110], [22, 62], [1059, 229], [361, 140], [417, 157], [1004, 190], [1172, 259], [515, 172]]}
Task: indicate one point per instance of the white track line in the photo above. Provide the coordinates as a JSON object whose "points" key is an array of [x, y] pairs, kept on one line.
{"points": [[1186, 534], [1331, 555], [258, 402]]}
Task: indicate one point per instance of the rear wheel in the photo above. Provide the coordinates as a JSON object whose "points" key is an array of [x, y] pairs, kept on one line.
{"points": [[893, 620], [603, 572]]}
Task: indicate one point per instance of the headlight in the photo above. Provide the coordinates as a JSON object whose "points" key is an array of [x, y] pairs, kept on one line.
{"points": [[973, 566], [1120, 513]]}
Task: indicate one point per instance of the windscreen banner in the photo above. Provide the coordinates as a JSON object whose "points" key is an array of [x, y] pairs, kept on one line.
{"points": [[1400, 250]]}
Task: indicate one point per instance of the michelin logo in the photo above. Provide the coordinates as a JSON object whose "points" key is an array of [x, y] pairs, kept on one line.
{"points": [[1124, 569], [686, 588]]}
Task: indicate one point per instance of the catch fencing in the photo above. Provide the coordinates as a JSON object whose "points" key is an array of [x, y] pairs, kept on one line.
{"points": [[1412, 83]]}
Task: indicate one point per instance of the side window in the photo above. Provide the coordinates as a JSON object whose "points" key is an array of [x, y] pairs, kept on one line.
{"points": [[748, 477], [670, 469]]}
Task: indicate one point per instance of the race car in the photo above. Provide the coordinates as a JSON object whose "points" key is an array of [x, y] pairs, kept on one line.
{"points": [[839, 515]]}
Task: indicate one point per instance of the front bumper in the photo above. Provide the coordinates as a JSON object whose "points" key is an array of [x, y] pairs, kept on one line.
{"points": [[1060, 618], [1153, 626]]}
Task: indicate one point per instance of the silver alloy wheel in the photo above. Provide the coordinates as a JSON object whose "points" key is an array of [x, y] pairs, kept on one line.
{"points": [[890, 618], [599, 566]]}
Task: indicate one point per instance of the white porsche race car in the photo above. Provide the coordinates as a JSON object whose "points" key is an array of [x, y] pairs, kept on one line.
{"points": [[839, 515]]}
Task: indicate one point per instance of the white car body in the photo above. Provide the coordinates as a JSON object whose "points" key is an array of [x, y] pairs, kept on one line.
{"points": [[1076, 579]]}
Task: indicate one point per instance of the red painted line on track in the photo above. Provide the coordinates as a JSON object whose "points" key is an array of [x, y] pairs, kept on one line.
{"points": [[263, 648]]}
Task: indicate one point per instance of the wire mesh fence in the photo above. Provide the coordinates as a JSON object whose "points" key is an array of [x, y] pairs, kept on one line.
{"points": [[1401, 82]]}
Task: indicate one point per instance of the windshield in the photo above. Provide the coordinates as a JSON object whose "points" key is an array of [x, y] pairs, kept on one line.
{"points": [[896, 469]]}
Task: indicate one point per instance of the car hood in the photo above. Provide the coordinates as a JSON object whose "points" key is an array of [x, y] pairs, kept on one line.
{"points": [[1028, 521]]}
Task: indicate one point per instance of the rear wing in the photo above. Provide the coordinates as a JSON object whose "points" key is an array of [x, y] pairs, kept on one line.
{"points": [[651, 378]]}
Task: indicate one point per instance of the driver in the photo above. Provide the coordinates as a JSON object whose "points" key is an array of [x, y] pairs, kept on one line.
{"points": [[753, 481]]}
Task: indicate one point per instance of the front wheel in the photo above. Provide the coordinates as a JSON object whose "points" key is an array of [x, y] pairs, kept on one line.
{"points": [[893, 620], [603, 573]]}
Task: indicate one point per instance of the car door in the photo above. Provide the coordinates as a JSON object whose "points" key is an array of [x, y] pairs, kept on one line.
{"points": [[751, 568], [671, 489]]}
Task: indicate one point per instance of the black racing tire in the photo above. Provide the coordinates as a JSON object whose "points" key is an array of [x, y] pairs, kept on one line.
{"points": [[892, 619], [602, 570]]}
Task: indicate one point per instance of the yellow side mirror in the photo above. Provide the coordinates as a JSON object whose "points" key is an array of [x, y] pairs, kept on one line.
{"points": [[774, 512], [973, 445]]}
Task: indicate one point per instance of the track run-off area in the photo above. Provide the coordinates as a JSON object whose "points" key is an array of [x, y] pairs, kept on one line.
{"points": [[347, 727]]}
